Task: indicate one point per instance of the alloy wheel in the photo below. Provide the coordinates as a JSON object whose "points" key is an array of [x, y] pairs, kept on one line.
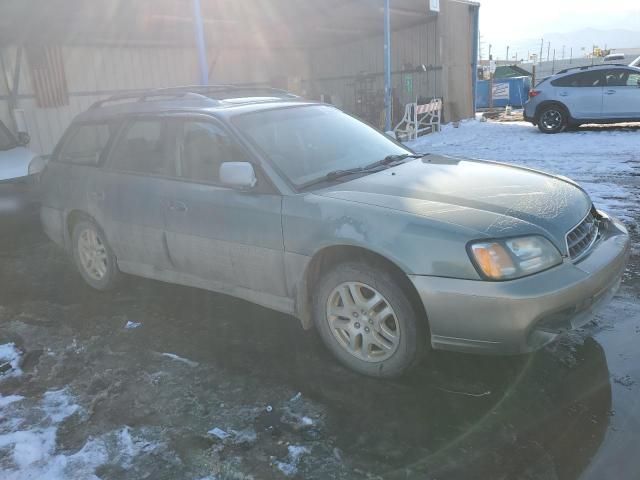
{"points": [[363, 321], [93, 254], [551, 119]]}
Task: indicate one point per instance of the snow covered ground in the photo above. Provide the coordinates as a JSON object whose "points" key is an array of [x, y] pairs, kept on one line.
{"points": [[605, 161]]}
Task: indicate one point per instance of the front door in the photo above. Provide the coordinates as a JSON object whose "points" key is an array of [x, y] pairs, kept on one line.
{"points": [[217, 233], [622, 94]]}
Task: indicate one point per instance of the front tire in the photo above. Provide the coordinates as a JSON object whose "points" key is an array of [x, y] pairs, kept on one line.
{"points": [[552, 119], [368, 322], [93, 257]]}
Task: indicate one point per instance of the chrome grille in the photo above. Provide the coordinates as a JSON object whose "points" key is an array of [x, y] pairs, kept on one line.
{"points": [[581, 238]]}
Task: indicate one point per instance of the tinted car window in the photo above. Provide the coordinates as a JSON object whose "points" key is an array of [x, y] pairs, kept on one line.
{"points": [[617, 78], [583, 79], [144, 147], [205, 146], [86, 144], [634, 79]]}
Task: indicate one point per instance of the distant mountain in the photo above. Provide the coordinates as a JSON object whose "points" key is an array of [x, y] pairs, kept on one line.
{"points": [[588, 37]]}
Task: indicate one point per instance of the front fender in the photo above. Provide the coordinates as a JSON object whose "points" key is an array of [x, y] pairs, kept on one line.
{"points": [[417, 245]]}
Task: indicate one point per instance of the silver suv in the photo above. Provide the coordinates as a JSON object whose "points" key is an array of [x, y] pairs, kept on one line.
{"points": [[599, 94]]}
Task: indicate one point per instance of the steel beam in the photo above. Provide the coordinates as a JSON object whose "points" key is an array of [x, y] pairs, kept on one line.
{"points": [[200, 43]]}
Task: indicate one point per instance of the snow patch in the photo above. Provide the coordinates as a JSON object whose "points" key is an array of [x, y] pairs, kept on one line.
{"points": [[10, 360], [290, 467], [177, 358]]}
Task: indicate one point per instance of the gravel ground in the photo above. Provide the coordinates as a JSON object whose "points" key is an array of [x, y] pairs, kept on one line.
{"points": [[164, 382]]}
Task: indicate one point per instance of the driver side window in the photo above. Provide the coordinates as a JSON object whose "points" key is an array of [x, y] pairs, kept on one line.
{"points": [[633, 80], [204, 147]]}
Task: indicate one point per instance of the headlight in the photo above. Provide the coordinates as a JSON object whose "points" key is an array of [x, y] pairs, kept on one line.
{"points": [[511, 258]]}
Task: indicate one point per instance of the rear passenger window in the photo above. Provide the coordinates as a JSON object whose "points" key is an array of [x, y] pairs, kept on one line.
{"points": [[144, 147], [86, 144], [584, 79], [205, 146]]}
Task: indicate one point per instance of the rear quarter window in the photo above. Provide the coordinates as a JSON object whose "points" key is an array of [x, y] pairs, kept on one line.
{"points": [[86, 144], [582, 79]]}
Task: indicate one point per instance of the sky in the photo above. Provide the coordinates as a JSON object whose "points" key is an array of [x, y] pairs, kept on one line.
{"points": [[518, 22]]}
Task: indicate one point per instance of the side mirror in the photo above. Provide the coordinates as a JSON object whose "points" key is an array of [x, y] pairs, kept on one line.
{"points": [[23, 139], [238, 175], [37, 164]]}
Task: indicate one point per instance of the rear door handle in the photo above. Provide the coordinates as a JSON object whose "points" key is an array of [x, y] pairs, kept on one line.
{"points": [[610, 92], [563, 94], [176, 206]]}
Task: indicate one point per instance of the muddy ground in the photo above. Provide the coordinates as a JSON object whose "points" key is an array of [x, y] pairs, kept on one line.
{"points": [[127, 385]]}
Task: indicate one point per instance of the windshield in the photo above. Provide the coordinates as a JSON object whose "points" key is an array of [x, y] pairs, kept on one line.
{"points": [[7, 140], [306, 143]]}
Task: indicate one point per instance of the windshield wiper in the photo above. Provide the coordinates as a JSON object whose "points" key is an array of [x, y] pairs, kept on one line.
{"points": [[389, 159], [394, 158], [336, 174]]}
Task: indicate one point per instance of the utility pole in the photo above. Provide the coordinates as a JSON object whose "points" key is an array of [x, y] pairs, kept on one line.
{"points": [[563, 52], [490, 57], [507, 57], [553, 65], [571, 56], [548, 50], [541, 47], [387, 66]]}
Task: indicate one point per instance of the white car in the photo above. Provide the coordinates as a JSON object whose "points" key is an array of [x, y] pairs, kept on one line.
{"points": [[19, 168]]}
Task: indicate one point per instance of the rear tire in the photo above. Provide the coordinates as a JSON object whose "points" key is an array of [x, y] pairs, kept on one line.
{"points": [[552, 119], [368, 322], [93, 257]]}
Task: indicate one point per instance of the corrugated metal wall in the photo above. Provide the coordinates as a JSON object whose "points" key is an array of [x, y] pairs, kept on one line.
{"points": [[334, 69], [444, 44], [94, 73]]}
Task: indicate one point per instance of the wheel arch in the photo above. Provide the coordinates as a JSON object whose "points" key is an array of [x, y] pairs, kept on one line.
{"points": [[71, 219], [549, 103], [327, 257]]}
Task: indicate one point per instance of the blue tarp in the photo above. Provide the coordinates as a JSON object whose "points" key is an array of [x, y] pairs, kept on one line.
{"points": [[506, 91]]}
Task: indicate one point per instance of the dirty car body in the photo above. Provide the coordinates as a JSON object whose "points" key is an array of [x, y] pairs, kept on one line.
{"points": [[493, 258]]}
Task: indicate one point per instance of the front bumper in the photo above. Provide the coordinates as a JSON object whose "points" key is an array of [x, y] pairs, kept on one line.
{"points": [[523, 315]]}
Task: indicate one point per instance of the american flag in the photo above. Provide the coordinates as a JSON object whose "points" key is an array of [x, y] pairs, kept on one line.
{"points": [[47, 75]]}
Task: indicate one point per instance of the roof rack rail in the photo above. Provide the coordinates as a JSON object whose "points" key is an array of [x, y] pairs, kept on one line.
{"points": [[202, 92], [145, 95], [587, 67]]}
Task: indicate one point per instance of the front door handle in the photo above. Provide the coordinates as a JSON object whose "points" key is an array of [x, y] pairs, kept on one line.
{"points": [[610, 92], [563, 94], [177, 206]]}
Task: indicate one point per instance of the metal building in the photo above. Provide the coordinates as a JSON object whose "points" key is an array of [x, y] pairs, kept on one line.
{"points": [[59, 56]]}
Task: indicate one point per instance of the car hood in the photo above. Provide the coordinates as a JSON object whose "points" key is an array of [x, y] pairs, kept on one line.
{"points": [[490, 198], [14, 163]]}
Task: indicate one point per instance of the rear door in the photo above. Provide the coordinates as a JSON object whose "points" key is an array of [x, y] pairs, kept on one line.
{"points": [[217, 233], [581, 93], [622, 93], [133, 192]]}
